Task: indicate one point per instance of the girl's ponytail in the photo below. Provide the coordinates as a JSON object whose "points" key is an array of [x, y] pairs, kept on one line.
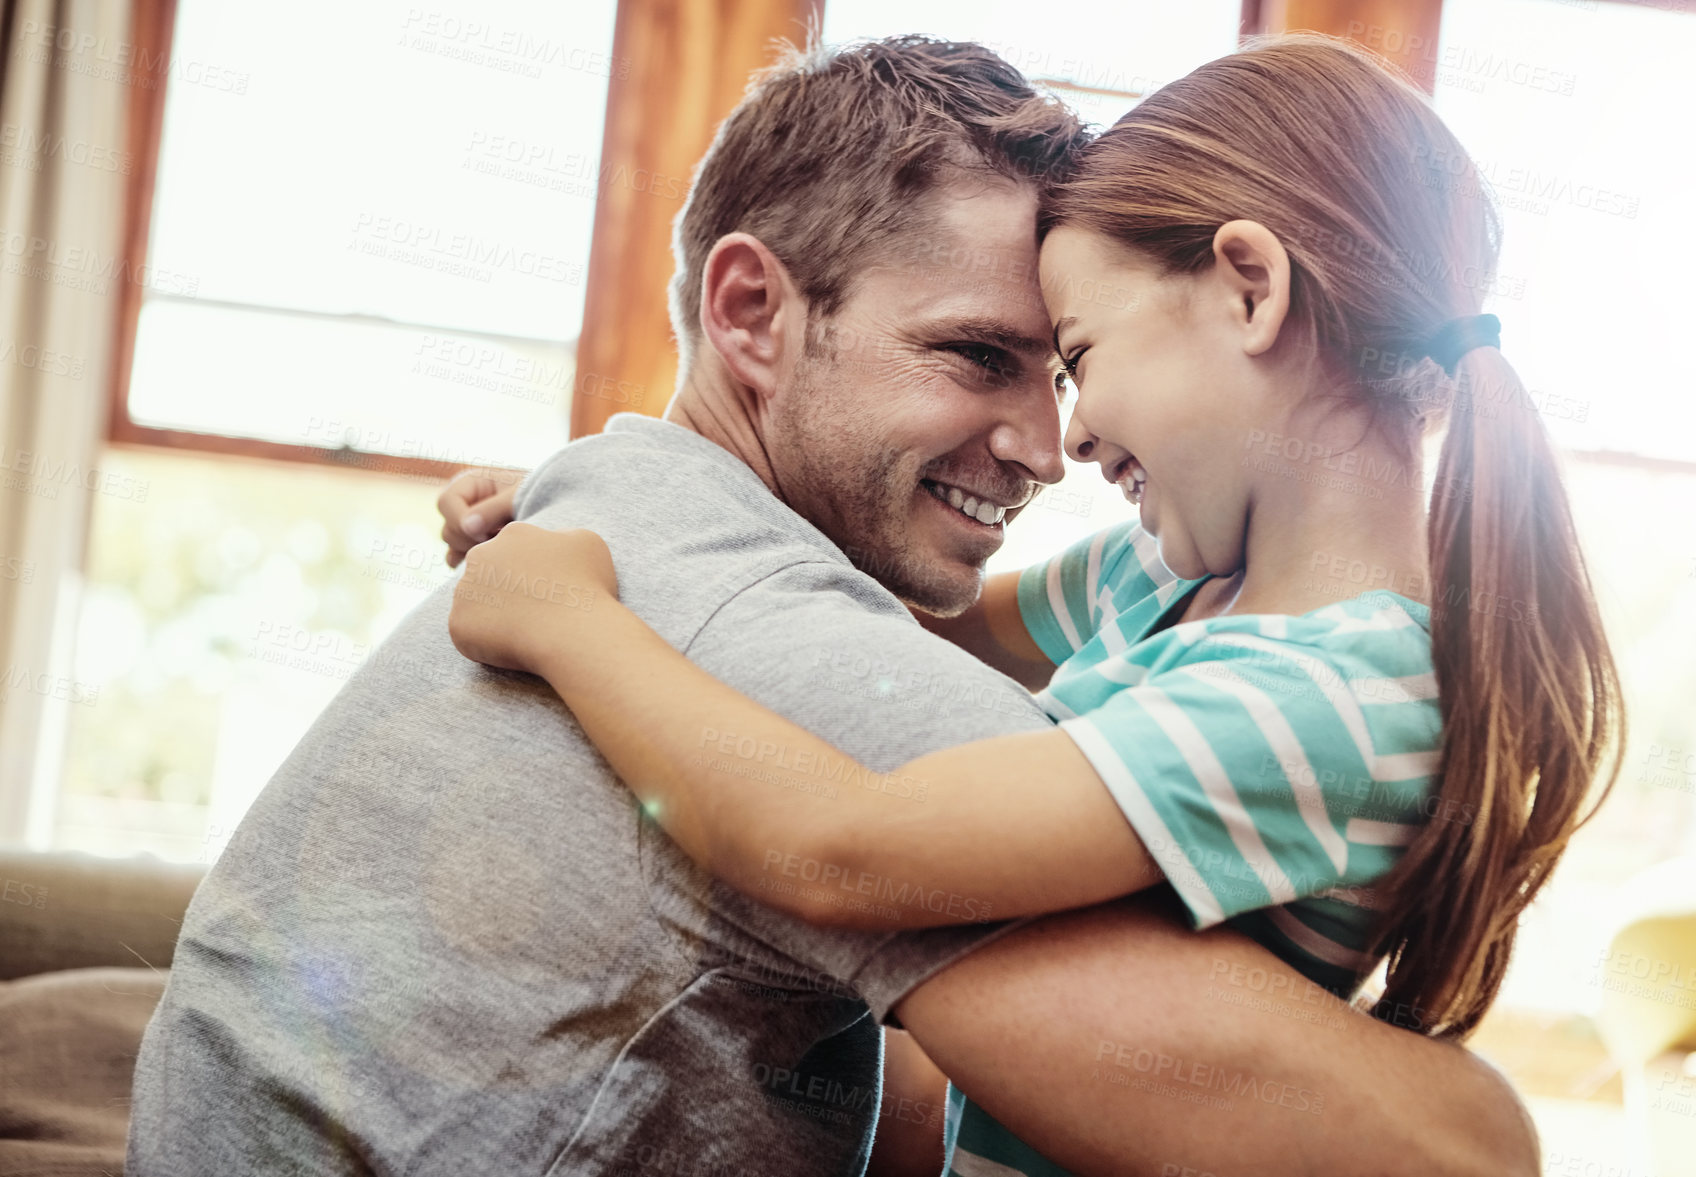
{"points": [[1530, 700]]}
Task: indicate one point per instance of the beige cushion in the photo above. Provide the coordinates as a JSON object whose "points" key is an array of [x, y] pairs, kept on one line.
{"points": [[77, 911], [68, 1042]]}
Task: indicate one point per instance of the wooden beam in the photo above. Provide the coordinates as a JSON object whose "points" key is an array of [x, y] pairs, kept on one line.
{"points": [[153, 23], [1404, 31], [680, 66]]}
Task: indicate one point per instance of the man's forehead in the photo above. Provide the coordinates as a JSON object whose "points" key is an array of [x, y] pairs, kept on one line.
{"points": [[969, 255], [977, 223]]}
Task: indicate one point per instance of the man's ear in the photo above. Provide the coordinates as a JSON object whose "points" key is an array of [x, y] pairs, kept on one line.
{"points": [[750, 310], [1251, 262]]}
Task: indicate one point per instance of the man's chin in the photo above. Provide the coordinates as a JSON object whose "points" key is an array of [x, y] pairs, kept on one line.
{"points": [[939, 581], [928, 580]]}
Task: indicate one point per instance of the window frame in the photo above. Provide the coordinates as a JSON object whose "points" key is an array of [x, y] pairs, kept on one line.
{"points": [[672, 54], [153, 25], [626, 337]]}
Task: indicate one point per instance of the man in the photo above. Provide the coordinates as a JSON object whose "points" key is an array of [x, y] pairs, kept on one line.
{"points": [[446, 941]]}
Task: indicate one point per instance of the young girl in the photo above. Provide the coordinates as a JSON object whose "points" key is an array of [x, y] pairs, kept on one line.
{"points": [[1358, 727]]}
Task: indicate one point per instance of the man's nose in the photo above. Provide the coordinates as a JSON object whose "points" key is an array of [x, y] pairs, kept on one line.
{"points": [[1030, 437]]}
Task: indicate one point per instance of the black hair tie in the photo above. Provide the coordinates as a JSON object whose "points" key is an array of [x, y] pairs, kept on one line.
{"points": [[1459, 336]]}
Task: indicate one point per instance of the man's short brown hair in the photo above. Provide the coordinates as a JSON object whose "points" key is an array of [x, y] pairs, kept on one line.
{"points": [[825, 158]]}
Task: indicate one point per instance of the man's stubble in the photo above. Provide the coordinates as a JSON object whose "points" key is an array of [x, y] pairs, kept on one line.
{"points": [[844, 477]]}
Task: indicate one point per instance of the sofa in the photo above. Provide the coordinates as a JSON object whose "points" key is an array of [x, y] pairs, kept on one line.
{"points": [[85, 945]]}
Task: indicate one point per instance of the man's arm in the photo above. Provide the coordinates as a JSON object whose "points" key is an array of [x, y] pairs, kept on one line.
{"points": [[911, 1113], [1116, 1042]]}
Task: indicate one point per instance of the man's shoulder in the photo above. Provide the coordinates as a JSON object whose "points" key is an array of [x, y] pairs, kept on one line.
{"points": [[831, 649], [689, 524], [654, 469]]}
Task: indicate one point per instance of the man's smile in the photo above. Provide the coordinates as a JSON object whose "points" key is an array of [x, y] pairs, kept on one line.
{"points": [[978, 507]]}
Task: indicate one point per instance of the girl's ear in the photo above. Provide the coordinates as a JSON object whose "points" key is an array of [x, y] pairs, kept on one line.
{"points": [[1251, 262]]}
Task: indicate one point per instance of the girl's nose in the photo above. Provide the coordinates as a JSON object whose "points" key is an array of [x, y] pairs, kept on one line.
{"points": [[1080, 442]]}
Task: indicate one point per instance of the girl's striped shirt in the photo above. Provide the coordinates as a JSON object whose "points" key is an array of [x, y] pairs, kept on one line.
{"points": [[1276, 767]]}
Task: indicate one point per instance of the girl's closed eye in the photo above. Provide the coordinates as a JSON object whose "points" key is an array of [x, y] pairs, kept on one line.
{"points": [[1070, 363]]}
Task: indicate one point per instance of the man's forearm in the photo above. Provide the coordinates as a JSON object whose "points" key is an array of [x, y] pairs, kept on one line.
{"points": [[910, 1114], [1117, 1042]]}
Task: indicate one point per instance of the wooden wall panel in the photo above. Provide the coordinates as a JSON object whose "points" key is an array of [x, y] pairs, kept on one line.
{"points": [[680, 66]]}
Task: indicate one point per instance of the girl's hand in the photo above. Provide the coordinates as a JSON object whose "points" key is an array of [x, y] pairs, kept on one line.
{"points": [[523, 593], [474, 506]]}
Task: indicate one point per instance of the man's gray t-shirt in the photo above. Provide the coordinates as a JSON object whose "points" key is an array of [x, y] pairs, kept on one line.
{"points": [[446, 940]]}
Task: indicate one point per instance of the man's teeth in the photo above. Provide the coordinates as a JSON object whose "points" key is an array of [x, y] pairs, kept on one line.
{"points": [[984, 511]]}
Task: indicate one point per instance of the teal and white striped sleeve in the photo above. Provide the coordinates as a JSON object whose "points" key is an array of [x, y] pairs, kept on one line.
{"points": [[1060, 599], [1246, 766]]}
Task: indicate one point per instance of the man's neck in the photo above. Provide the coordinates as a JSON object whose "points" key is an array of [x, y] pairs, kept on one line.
{"points": [[724, 416]]}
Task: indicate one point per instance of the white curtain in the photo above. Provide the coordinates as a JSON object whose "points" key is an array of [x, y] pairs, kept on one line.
{"points": [[68, 77]]}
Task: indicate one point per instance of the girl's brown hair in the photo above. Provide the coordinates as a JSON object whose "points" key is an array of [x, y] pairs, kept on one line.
{"points": [[1390, 235]]}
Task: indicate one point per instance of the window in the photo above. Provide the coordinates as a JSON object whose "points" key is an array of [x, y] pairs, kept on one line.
{"points": [[370, 236], [1557, 102], [1573, 110], [378, 239]]}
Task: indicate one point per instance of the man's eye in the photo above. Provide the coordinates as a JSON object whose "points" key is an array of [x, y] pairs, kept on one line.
{"points": [[992, 360]]}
